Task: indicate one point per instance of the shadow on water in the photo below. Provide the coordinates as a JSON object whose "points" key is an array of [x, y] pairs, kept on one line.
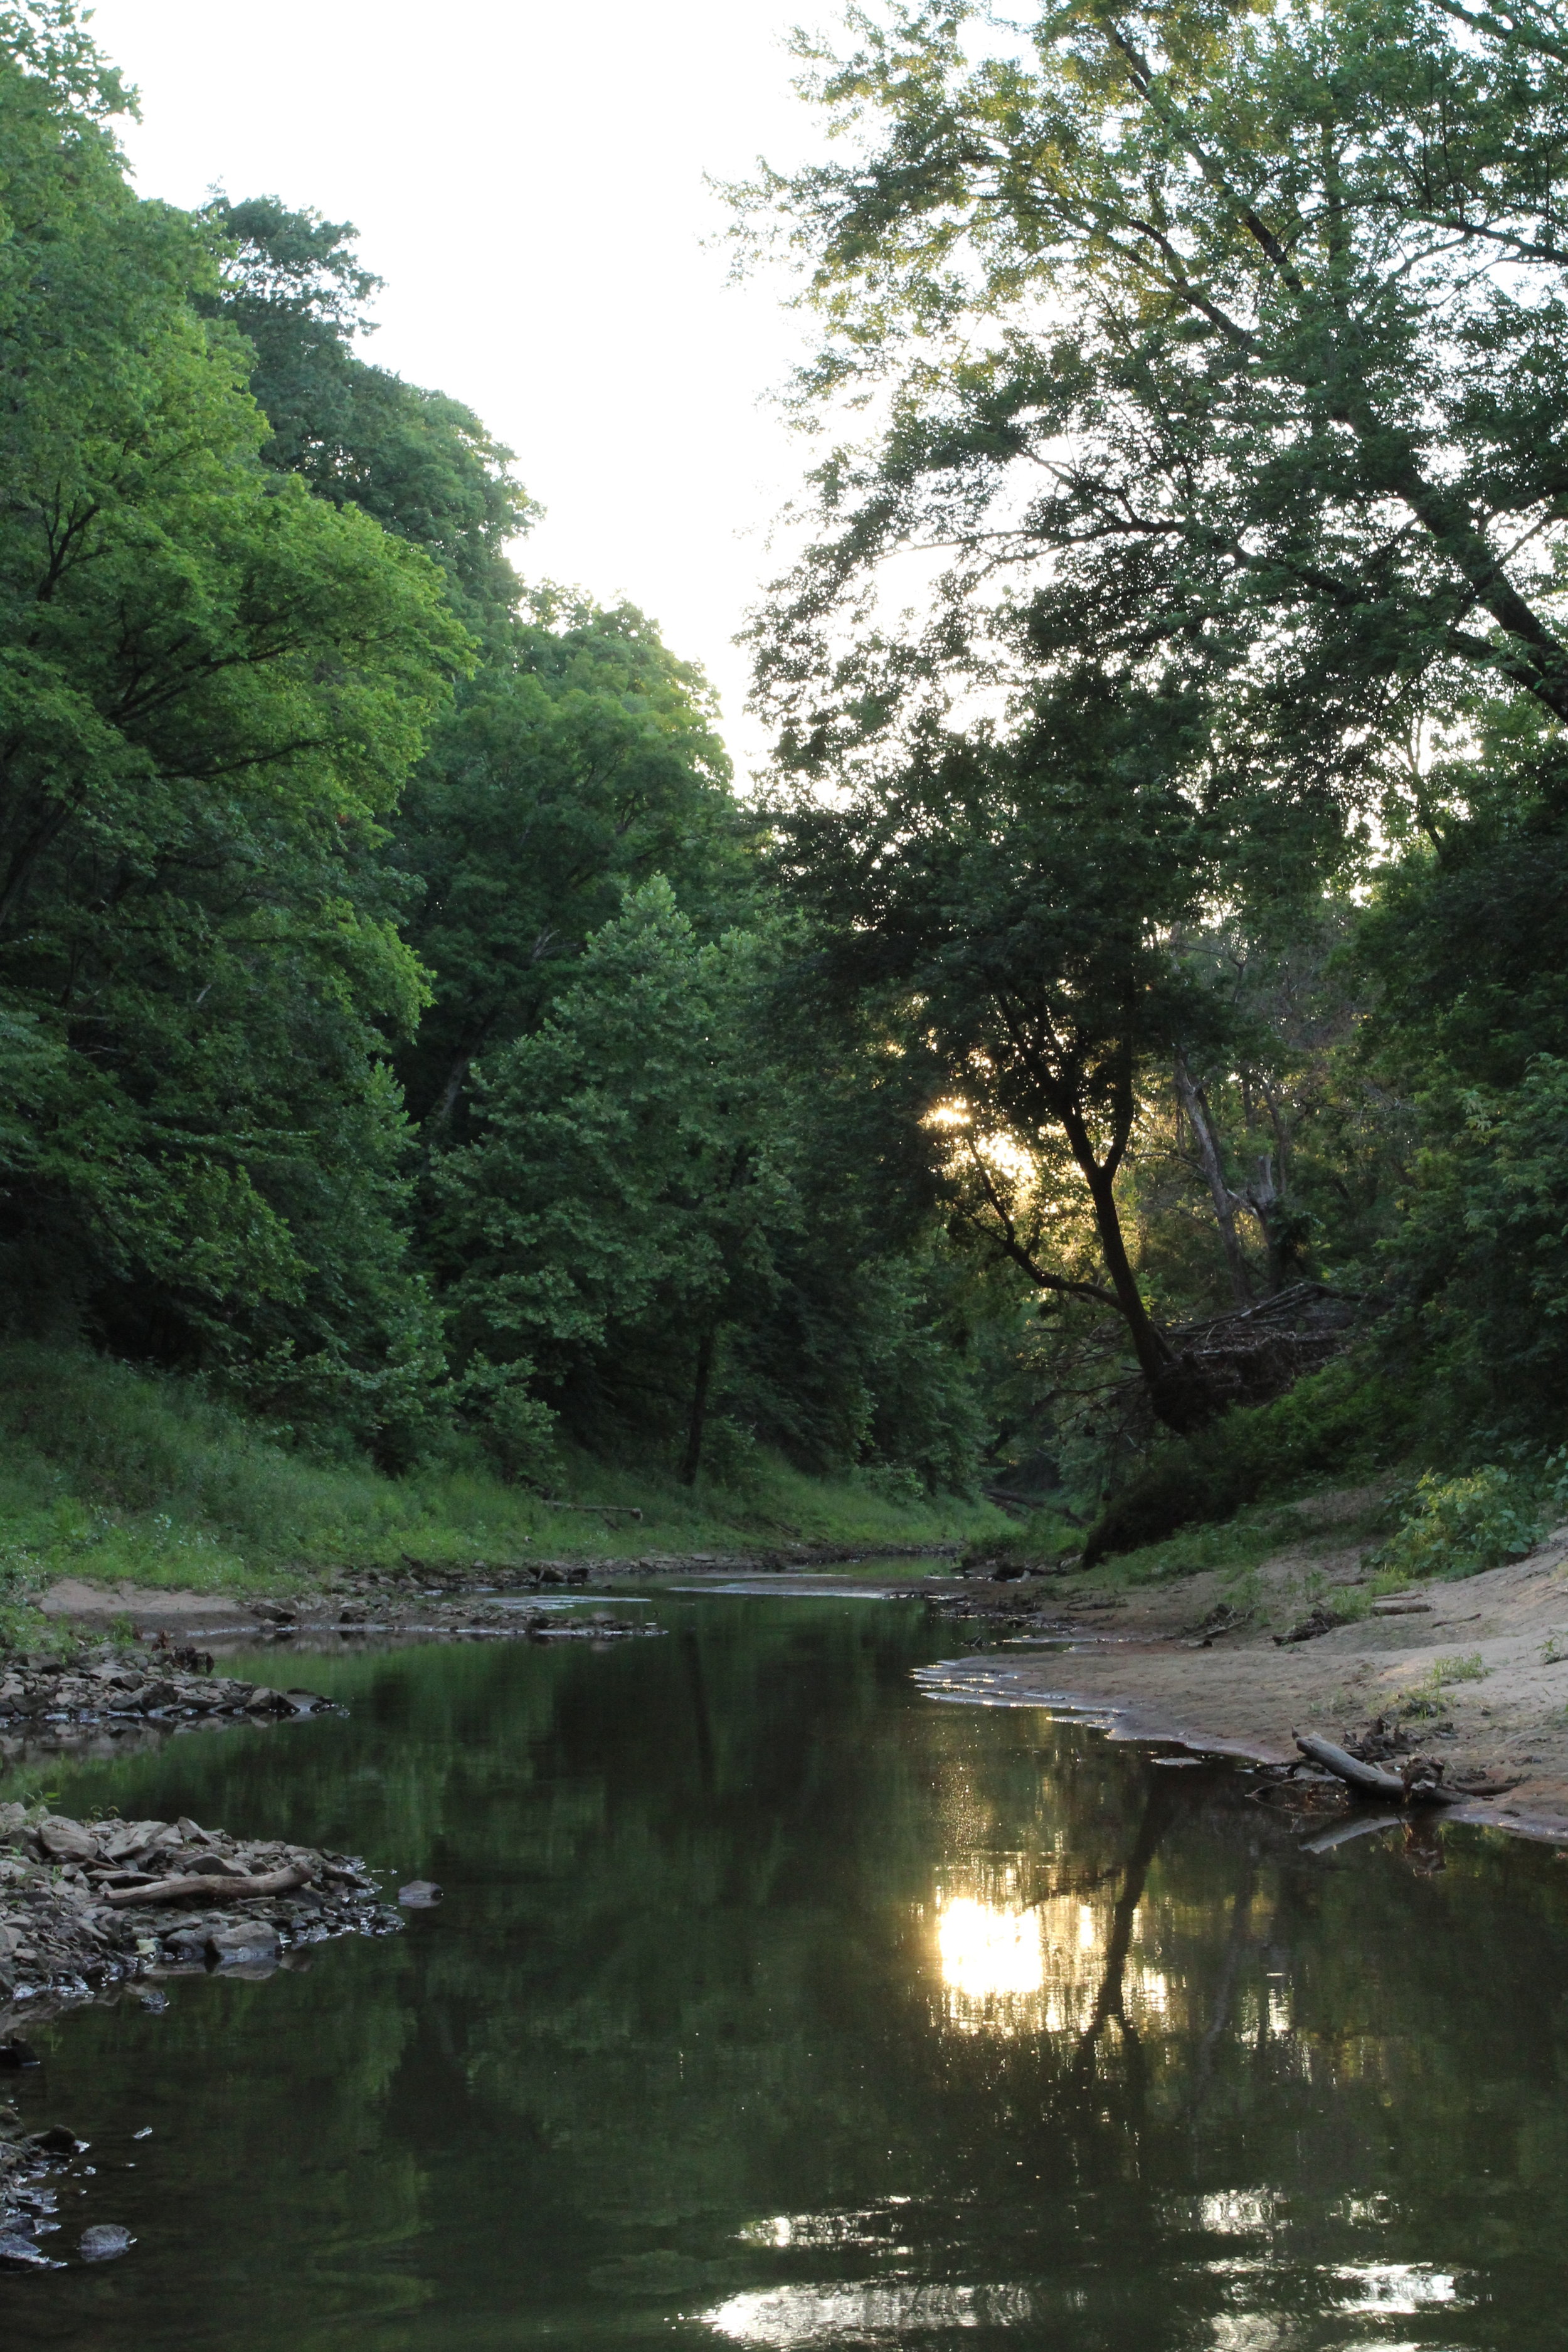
{"points": [[773, 2003]]}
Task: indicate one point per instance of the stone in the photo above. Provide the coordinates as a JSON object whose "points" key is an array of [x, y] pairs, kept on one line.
{"points": [[185, 1945], [65, 1841], [419, 1895], [261, 1700], [252, 1941], [104, 2241], [19, 2253]]}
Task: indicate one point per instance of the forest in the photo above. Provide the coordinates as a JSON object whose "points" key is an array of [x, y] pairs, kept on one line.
{"points": [[1117, 1060]]}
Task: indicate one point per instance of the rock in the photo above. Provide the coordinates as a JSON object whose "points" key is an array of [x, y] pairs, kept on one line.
{"points": [[252, 1941], [19, 2253], [419, 1895], [104, 2240], [187, 1947], [65, 1841], [261, 1700]]}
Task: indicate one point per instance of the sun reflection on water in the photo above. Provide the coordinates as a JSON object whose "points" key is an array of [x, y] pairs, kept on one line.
{"points": [[1008, 1966]]}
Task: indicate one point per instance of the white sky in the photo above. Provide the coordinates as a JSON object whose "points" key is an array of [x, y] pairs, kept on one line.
{"points": [[528, 178]]}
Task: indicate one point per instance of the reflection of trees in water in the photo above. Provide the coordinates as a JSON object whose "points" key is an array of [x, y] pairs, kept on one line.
{"points": [[690, 1972], [1110, 2006]]}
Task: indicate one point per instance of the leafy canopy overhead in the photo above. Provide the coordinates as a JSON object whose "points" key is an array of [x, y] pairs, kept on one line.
{"points": [[1227, 339]]}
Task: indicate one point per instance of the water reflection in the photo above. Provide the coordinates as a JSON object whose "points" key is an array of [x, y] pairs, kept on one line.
{"points": [[772, 2004], [866, 2314]]}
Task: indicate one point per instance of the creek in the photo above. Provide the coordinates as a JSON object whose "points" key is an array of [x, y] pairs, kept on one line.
{"points": [[775, 2002]]}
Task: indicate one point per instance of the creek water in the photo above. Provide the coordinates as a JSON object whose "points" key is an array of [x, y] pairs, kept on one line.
{"points": [[775, 2002]]}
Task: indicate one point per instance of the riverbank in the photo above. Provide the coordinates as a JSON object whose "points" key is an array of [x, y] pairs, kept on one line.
{"points": [[143, 1486], [1473, 1673], [89, 1907]]}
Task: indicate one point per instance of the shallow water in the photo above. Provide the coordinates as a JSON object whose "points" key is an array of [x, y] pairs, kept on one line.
{"points": [[773, 2002]]}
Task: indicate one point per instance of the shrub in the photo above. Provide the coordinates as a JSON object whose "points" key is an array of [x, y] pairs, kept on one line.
{"points": [[1346, 1419], [1458, 1526]]}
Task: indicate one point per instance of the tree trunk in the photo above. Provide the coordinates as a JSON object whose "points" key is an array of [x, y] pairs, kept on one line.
{"points": [[1225, 1203], [695, 1425], [1267, 1202], [1176, 1390]]}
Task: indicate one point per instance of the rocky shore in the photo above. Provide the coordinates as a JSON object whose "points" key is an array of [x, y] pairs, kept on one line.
{"points": [[85, 1906], [98, 1698]]}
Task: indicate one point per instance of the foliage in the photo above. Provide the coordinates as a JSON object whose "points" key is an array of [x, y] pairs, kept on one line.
{"points": [[581, 761], [1455, 1527], [1229, 342], [214, 686], [1345, 1421], [1423, 1698], [1007, 908], [109, 1472], [418, 462]]}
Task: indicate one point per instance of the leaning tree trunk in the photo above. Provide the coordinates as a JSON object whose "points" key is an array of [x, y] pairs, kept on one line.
{"points": [[1177, 1390], [1194, 1103]]}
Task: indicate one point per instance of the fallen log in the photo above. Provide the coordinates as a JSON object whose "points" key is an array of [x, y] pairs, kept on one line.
{"points": [[1371, 1780], [219, 1889]]}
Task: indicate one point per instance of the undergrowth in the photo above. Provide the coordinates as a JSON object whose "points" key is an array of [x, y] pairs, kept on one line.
{"points": [[113, 1474]]}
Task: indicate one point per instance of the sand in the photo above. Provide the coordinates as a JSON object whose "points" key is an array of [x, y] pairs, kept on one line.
{"points": [[1139, 1669]]}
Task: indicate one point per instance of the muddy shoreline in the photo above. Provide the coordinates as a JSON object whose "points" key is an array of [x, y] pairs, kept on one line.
{"points": [[1472, 1674]]}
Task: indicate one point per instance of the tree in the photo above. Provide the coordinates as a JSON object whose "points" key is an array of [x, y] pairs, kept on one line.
{"points": [[583, 760], [1228, 339], [1010, 905], [419, 462], [212, 687], [628, 1168]]}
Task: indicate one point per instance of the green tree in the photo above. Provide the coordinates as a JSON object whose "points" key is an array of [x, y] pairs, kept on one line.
{"points": [[583, 760], [1227, 337], [628, 1168], [212, 687], [1010, 904], [419, 462]]}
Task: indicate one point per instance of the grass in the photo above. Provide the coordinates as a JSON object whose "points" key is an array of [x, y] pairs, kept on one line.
{"points": [[1239, 1545], [1423, 1698], [116, 1475]]}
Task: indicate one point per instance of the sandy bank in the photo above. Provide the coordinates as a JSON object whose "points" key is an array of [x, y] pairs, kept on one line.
{"points": [[1140, 1665]]}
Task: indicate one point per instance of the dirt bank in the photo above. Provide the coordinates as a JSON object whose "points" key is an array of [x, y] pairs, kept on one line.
{"points": [[1471, 1678]]}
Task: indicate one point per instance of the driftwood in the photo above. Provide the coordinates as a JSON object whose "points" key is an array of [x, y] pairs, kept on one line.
{"points": [[1418, 1784], [216, 1885]]}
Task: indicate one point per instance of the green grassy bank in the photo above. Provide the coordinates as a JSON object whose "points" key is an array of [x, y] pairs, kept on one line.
{"points": [[112, 1474]]}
